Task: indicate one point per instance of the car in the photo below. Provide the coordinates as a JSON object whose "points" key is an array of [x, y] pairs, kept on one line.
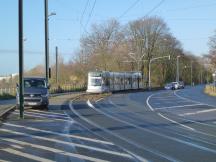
{"points": [[172, 86], [36, 92], [168, 86], [181, 84], [176, 85]]}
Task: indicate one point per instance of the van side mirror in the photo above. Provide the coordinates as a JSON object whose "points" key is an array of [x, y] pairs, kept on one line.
{"points": [[48, 86], [17, 85]]}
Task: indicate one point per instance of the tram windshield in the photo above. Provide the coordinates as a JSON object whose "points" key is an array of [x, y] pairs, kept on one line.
{"points": [[96, 82]]}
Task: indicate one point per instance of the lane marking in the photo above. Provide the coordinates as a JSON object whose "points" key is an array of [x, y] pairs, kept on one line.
{"points": [[61, 134], [175, 93], [50, 149], [47, 112], [172, 138], [66, 143], [147, 102], [175, 122], [26, 155], [17, 146], [113, 134], [147, 130], [197, 112], [171, 107], [46, 115], [38, 116], [193, 138], [99, 99], [197, 131]]}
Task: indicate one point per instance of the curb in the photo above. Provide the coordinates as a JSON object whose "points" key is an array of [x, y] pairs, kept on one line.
{"points": [[5, 112]]}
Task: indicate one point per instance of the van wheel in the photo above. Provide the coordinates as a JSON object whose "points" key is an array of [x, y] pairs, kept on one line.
{"points": [[45, 107]]}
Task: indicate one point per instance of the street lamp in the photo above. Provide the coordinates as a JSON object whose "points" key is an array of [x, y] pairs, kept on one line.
{"points": [[177, 68], [153, 59], [52, 14], [46, 15]]}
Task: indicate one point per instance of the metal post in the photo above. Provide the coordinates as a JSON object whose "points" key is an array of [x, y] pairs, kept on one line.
{"points": [[191, 73], [21, 85], [201, 75], [177, 69], [57, 65], [149, 76], [46, 40]]}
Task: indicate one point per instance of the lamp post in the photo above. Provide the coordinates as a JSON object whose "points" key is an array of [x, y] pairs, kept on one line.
{"points": [[153, 59], [177, 68], [47, 38], [191, 73], [21, 82]]}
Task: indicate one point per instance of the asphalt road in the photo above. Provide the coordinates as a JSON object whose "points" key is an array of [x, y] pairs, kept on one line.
{"points": [[144, 126]]}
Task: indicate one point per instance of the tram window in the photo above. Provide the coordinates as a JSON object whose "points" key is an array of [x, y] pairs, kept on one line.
{"points": [[96, 82]]}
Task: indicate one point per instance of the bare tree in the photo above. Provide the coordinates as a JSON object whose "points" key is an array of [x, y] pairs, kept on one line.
{"points": [[143, 36]]}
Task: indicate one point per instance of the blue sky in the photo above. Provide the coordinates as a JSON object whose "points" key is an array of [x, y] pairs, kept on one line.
{"points": [[191, 21]]}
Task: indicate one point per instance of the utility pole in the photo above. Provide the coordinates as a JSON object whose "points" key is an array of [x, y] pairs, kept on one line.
{"points": [[46, 40], [57, 65], [21, 84], [191, 73], [177, 69]]}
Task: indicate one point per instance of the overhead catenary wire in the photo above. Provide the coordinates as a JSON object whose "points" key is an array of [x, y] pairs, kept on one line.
{"points": [[84, 10], [154, 8], [90, 15], [128, 9]]}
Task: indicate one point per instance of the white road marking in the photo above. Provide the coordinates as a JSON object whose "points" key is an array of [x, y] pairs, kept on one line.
{"points": [[164, 98], [50, 149], [188, 119], [26, 155], [61, 134], [184, 98], [152, 109], [180, 133], [156, 133], [47, 115], [99, 99], [4, 160], [175, 122], [172, 138], [197, 112], [110, 132], [48, 112], [171, 107], [17, 146], [147, 102], [70, 144], [38, 116]]}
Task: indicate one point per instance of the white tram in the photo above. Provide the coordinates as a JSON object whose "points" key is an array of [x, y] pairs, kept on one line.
{"points": [[105, 81]]}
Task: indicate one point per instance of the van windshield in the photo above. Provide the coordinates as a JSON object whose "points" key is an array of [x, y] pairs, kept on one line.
{"points": [[34, 83]]}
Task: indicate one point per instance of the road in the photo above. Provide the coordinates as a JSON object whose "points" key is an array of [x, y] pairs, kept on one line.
{"points": [[144, 126]]}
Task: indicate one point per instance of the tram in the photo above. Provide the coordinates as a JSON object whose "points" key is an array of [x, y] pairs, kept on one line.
{"points": [[105, 81]]}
